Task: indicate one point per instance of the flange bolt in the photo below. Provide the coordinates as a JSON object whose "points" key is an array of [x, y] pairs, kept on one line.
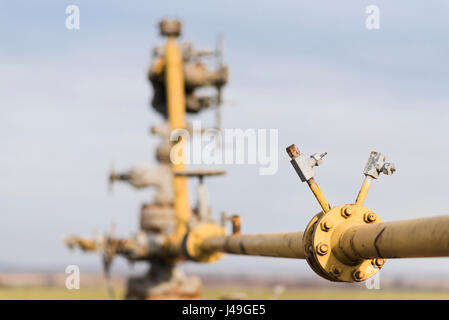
{"points": [[378, 262], [358, 275], [326, 225], [370, 217], [322, 248], [347, 211], [336, 270]]}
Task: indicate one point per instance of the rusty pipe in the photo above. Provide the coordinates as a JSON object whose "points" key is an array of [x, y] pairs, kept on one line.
{"points": [[282, 245], [417, 238]]}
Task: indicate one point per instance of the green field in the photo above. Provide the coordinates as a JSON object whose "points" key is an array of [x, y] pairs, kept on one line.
{"points": [[217, 292]]}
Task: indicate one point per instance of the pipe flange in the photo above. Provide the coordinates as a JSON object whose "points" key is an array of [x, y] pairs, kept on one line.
{"points": [[321, 240], [192, 243], [308, 246]]}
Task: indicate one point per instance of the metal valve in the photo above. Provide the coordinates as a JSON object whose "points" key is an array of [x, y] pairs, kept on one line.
{"points": [[321, 237], [304, 165], [304, 168], [376, 164]]}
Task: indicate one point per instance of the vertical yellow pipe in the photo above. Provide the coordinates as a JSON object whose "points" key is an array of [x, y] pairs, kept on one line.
{"points": [[176, 115]]}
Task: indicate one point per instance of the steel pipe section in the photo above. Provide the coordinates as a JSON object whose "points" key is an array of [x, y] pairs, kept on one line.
{"points": [[281, 245], [418, 238]]}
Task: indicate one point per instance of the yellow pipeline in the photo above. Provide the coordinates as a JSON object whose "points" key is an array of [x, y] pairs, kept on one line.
{"points": [[284, 245], [418, 238], [425, 237], [176, 115]]}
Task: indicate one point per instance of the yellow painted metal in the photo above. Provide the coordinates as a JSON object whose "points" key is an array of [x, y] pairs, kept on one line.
{"points": [[194, 242], [176, 115], [158, 66], [283, 245], [318, 194], [84, 244], [309, 249], [364, 191], [417, 238], [322, 241]]}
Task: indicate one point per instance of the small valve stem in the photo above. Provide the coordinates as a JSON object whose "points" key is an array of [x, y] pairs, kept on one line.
{"points": [[318, 194], [304, 168], [364, 191]]}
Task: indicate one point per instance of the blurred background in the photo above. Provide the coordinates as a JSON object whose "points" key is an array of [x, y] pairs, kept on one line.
{"points": [[74, 102]]}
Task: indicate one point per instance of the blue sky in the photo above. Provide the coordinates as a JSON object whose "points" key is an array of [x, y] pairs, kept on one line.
{"points": [[74, 102]]}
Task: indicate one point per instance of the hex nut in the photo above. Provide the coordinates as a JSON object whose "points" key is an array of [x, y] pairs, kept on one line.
{"points": [[326, 225], [336, 270], [369, 217], [358, 275], [347, 211], [378, 262], [322, 249]]}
